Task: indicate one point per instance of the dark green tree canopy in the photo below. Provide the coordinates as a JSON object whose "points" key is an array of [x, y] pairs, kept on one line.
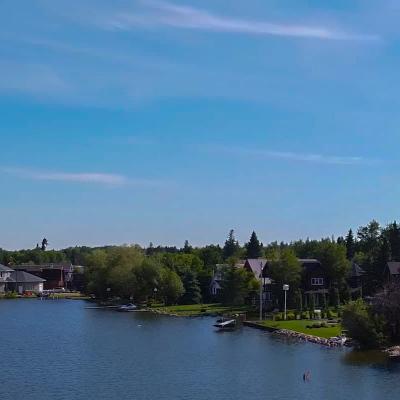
{"points": [[231, 247], [254, 248]]}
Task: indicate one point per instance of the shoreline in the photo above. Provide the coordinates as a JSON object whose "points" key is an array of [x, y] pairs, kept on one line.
{"points": [[295, 335]]}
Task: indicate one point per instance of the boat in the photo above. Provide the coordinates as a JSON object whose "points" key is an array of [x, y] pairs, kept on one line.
{"points": [[226, 325], [127, 308]]}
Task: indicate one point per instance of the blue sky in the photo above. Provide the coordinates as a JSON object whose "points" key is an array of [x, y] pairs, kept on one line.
{"points": [[137, 121]]}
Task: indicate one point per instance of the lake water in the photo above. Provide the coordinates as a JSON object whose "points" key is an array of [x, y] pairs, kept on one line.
{"points": [[61, 350]]}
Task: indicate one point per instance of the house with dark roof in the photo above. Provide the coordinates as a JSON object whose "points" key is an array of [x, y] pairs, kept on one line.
{"points": [[392, 271], [54, 275]]}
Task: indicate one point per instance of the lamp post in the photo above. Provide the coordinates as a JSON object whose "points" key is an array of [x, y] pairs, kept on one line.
{"points": [[261, 291], [155, 290], [285, 289]]}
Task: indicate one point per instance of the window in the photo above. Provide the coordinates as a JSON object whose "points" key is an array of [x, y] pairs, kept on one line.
{"points": [[317, 281]]}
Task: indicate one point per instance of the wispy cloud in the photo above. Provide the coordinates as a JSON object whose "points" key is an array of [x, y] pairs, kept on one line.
{"points": [[296, 157], [79, 177], [160, 13]]}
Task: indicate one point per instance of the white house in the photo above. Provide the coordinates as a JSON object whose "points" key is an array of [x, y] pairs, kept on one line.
{"points": [[5, 278]]}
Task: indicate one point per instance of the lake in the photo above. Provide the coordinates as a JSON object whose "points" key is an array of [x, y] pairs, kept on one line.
{"points": [[61, 350]]}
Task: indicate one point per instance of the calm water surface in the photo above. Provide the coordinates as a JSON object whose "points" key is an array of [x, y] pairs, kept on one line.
{"points": [[61, 350]]}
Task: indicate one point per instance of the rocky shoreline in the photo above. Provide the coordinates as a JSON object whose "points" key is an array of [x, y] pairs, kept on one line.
{"points": [[332, 342], [393, 352]]}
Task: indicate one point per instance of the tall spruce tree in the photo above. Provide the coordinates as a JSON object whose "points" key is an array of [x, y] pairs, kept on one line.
{"points": [[192, 293], [350, 245], [254, 247], [231, 246]]}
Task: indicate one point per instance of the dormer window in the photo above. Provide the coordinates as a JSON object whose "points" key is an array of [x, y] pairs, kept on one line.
{"points": [[317, 281]]}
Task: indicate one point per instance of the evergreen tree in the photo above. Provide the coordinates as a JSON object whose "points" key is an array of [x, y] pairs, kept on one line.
{"points": [[253, 247], [392, 234], [350, 245], [192, 293], [231, 246], [187, 248]]}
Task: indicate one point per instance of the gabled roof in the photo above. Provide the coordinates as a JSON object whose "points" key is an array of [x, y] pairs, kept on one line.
{"points": [[356, 270], [3, 268], [394, 267], [26, 277], [256, 265]]}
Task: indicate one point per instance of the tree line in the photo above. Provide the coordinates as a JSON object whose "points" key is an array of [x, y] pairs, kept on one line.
{"points": [[173, 274]]}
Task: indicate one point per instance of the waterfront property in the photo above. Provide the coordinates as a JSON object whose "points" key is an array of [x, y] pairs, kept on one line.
{"points": [[5, 278], [19, 281], [54, 275]]}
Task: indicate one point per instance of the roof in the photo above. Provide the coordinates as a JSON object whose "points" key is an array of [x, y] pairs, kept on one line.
{"points": [[309, 264], [394, 267], [39, 267], [256, 264], [25, 277], [356, 270], [3, 268]]}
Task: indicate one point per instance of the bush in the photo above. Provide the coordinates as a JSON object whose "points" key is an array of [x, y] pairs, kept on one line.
{"points": [[290, 316], [10, 295], [362, 326]]}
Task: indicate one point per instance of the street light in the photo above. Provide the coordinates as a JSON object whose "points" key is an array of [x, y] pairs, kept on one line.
{"points": [[285, 289], [261, 291], [155, 290]]}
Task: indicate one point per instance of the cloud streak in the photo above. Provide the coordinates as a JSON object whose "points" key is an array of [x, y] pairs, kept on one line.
{"points": [[166, 14], [296, 157], [79, 177]]}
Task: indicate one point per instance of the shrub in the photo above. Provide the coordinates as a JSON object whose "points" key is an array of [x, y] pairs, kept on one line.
{"points": [[10, 295], [362, 326], [290, 316]]}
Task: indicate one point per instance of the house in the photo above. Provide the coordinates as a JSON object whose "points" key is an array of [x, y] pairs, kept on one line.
{"points": [[256, 266], [355, 279], [216, 281], [54, 275], [392, 271], [19, 281], [314, 281], [23, 282], [5, 278]]}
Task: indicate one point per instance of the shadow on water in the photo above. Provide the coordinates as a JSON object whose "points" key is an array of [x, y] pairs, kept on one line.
{"points": [[372, 358]]}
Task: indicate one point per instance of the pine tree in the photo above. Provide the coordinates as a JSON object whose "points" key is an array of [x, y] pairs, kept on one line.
{"points": [[392, 234], [192, 293], [187, 248], [350, 245], [253, 247], [231, 246]]}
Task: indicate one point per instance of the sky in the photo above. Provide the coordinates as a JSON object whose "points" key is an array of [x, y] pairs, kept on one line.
{"points": [[131, 121]]}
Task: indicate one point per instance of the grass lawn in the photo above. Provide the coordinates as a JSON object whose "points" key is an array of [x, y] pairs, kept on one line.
{"points": [[301, 326], [198, 309]]}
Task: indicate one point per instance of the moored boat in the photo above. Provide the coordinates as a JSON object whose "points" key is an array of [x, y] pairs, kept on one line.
{"points": [[127, 308]]}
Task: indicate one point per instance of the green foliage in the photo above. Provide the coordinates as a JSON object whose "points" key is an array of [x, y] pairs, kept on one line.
{"points": [[350, 245], [170, 286], [253, 247], [237, 285], [362, 326], [192, 289], [231, 246]]}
